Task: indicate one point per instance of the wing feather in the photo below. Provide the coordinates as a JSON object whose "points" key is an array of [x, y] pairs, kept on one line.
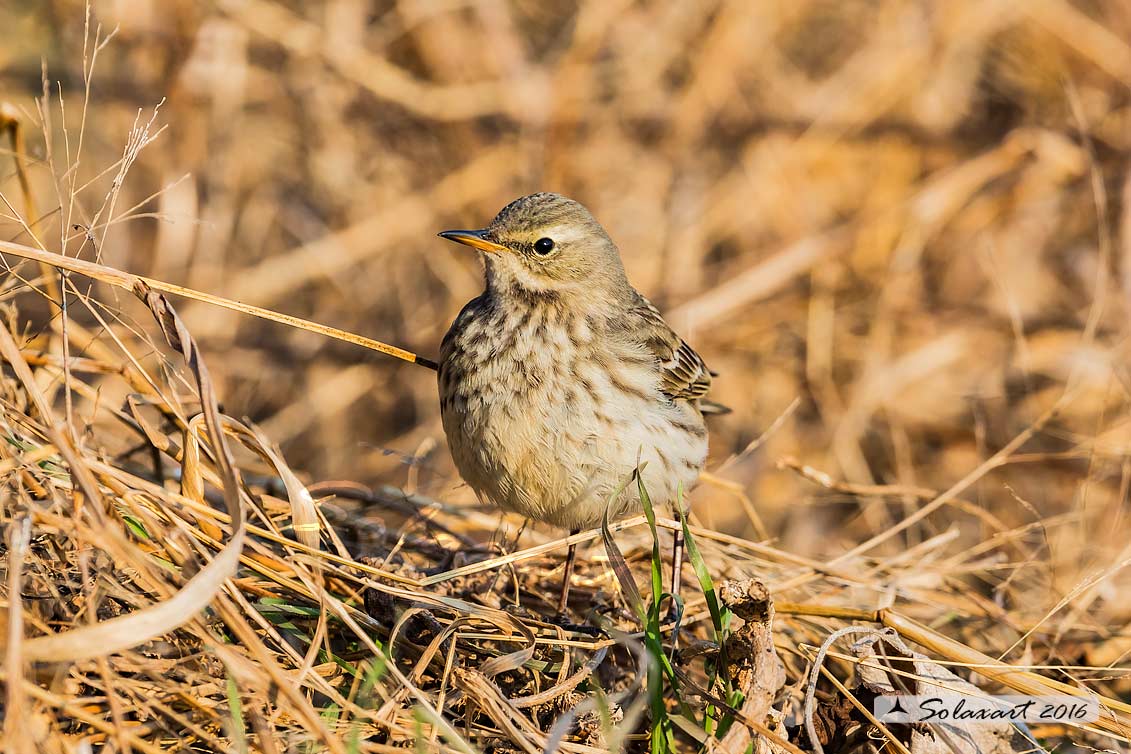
{"points": [[683, 374]]}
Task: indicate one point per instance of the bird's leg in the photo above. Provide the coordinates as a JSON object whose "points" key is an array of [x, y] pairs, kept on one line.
{"points": [[677, 560], [677, 568], [571, 555]]}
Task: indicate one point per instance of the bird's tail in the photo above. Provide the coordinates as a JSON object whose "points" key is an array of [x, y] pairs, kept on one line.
{"points": [[708, 407]]}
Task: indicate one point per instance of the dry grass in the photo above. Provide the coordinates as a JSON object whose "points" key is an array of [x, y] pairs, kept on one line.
{"points": [[900, 230]]}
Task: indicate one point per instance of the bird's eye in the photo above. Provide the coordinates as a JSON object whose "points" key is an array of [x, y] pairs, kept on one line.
{"points": [[544, 245]]}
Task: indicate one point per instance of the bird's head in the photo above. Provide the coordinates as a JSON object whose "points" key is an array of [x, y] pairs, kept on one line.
{"points": [[546, 243]]}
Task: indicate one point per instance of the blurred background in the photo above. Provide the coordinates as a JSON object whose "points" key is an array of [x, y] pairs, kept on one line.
{"points": [[899, 229]]}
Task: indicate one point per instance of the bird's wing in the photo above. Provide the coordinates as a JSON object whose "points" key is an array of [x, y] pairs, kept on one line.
{"points": [[683, 374]]}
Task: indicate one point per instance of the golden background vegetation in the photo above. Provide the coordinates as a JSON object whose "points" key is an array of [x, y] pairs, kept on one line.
{"points": [[900, 230]]}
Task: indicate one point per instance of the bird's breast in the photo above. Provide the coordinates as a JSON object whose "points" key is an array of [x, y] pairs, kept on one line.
{"points": [[510, 376], [542, 409]]}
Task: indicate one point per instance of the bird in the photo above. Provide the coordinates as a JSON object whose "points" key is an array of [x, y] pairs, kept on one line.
{"points": [[560, 382]]}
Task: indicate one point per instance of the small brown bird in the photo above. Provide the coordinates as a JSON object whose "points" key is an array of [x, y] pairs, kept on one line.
{"points": [[560, 379]]}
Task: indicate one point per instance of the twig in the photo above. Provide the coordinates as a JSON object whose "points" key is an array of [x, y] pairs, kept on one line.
{"points": [[127, 281]]}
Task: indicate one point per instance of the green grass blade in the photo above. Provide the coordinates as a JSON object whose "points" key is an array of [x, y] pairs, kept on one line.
{"points": [[720, 616], [235, 713], [657, 560]]}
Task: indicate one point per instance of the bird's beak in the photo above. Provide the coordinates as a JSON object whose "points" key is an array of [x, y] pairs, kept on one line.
{"points": [[476, 239]]}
